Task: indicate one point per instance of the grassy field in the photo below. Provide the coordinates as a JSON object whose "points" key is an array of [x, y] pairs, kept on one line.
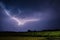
{"points": [[46, 35], [29, 38], [35, 34], [22, 38]]}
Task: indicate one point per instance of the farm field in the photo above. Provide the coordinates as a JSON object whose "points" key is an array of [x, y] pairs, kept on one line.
{"points": [[28, 38], [34, 34], [46, 35]]}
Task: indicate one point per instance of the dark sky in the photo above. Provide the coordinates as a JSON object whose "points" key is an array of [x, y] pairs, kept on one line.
{"points": [[46, 10]]}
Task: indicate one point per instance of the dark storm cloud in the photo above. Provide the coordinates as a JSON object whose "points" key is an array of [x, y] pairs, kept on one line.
{"points": [[47, 10]]}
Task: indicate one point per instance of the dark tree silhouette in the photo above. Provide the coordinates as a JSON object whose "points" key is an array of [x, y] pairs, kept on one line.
{"points": [[29, 30]]}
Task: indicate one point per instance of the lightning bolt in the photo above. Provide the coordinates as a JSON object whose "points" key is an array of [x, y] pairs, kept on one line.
{"points": [[19, 21]]}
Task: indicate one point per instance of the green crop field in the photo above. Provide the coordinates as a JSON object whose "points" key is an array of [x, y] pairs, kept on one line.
{"points": [[22, 38], [40, 34], [46, 35], [29, 38]]}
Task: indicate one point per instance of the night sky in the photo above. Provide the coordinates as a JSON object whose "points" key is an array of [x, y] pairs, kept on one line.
{"points": [[48, 11]]}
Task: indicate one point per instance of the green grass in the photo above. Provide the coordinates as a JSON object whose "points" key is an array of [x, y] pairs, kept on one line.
{"points": [[22, 38], [52, 35], [47, 33], [29, 38], [41, 34]]}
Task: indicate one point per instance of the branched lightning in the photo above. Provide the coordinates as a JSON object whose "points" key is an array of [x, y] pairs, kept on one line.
{"points": [[19, 21]]}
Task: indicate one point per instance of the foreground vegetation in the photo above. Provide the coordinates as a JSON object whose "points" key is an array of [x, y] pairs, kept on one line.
{"points": [[29, 38], [35, 34], [43, 35]]}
